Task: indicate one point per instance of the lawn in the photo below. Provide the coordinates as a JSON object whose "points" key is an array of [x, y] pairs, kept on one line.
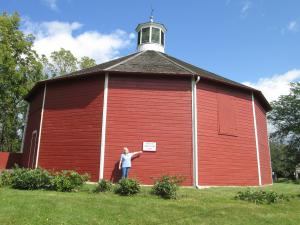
{"points": [[206, 206]]}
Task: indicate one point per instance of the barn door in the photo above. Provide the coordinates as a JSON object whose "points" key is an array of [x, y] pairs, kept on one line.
{"points": [[32, 150]]}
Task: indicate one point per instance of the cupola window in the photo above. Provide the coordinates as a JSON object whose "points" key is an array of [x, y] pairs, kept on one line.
{"points": [[145, 35], [162, 38], [155, 35]]}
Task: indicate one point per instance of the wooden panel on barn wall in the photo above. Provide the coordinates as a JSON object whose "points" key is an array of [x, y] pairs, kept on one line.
{"points": [[71, 133], [264, 153], [149, 109], [226, 113], [33, 125], [225, 159]]}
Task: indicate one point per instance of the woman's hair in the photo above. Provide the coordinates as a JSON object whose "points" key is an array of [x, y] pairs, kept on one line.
{"points": [[125, 149]]}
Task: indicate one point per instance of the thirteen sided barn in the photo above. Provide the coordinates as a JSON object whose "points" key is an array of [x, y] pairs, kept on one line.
{"points": [[206, 128]]}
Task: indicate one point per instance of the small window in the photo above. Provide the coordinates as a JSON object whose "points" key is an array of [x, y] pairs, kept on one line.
{"points": [[162, 37], [155, 35], [145, 35], [139, 37]]}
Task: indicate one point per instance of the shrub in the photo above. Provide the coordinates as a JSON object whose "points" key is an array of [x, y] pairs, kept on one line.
{"points": [[166, 186], [32, 179], [104, 186], [67, 181], [127, 187], [29, 179], [260, 197], [5, 178]]}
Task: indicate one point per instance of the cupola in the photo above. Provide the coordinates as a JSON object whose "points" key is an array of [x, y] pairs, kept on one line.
{"points": [[151, 36]]}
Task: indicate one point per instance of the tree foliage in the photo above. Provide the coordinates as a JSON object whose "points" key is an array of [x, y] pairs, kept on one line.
{"points": [[19, 70], [283, 158], [285, 118], [63, 62], [86, 62]]}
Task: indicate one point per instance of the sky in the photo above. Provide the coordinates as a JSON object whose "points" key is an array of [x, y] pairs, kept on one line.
{"points": [[255, 42]]}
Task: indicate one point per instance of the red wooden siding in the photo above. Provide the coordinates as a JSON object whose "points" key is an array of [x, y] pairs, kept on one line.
{"points": [[71, 132], [224, 159], [264, 153], [226, 114], [9, 159], [33, 124], [149, 109]]}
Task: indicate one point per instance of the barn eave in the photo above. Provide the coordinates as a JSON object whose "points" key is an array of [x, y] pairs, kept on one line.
{"points": [[151, 63]]}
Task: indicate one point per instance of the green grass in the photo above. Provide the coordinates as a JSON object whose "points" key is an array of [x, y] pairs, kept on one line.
{"points": [[207, 206]]}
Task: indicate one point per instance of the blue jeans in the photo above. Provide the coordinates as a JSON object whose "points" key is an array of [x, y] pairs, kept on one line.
{"points": [[125, 171]]}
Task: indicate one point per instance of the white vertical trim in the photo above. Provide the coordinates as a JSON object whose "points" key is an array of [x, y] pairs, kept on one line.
{"points": [[150, 33], [30, 149], [103, 131], [195, 131], [25, 128], [256, 140], [268, 141], [40, 130]]}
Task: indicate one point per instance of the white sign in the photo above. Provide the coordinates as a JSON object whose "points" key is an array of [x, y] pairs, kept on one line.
{"points": [[149, 146]]}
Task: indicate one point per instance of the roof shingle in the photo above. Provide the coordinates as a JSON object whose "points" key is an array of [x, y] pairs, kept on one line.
{"points": [[152, 62]]}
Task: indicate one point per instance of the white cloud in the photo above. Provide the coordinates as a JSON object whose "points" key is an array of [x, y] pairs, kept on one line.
{"points": [[53, 35], [51, 3], [246, 5], [292, 26], [276, 85]]}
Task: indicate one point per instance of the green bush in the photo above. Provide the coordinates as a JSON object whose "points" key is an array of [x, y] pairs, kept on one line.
{"points": [[67, 181], [127, 187], [260, 197], [166, 187], [5, 178], [33, 179], [29, 179], [104, 186]]}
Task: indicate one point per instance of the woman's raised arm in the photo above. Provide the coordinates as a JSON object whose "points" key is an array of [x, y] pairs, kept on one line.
{"points": [[135, 153]]}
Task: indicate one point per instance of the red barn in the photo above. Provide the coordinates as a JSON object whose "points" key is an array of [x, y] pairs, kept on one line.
{"points": [[189, 122]]}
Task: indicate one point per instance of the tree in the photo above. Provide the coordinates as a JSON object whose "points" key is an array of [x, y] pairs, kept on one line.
{"points": [[62, 62], [19, 70], [86, 62], [285, 117], [283, 159]]}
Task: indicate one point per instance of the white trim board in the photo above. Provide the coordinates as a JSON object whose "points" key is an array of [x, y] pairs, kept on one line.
{"points": [[30, 148], [103, 130], [25, 128], [41, 126], [256, 140], [268, 143], [195, 131]]}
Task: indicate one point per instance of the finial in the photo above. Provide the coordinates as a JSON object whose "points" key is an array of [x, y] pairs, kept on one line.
{"points": [[151, 16]]}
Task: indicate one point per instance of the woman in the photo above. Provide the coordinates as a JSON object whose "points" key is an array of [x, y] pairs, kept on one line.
{"points": [[125, 161]]}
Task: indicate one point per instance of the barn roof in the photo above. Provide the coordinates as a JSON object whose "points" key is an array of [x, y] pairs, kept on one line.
{"points": [[154, 62]]}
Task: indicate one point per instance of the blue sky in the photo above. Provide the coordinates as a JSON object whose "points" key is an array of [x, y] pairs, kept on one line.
{"points": [[256, 42]]}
